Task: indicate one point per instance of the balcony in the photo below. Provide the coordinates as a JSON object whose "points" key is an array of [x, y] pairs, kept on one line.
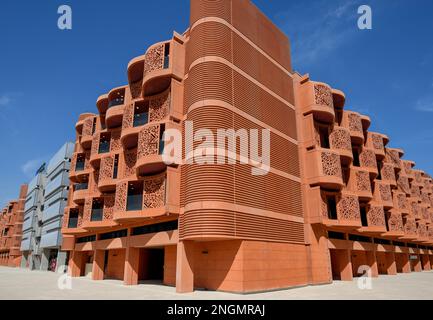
{"points": [[383, 194], [366, 122], [367, 161], [80, 192], [417, 181], [375, 220], [87, 132], [158, 68], [352, 121], [415, 192], [108, 173], [140, 200], [339, 98], [392, 156], [101, 147], [324, 168], [150, 150], [403, 184], [80, 167], [340, 141], [114, 116], [98, 213], [359, 183], [102, 103], [410, 230], [407, 169], [401, 202], [375, 143], [388, 174], [347, 211], [153, 109], [317, 99], [422, 233], [394, 225], [414, 209]]}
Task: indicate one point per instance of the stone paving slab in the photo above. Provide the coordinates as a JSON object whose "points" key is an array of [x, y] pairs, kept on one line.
{"points": [[26, 284]]}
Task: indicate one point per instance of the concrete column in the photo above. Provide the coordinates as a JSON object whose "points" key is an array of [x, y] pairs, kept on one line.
{"points": [[132, 261], [390, 263], [405, 262], [75, 264], [184, 267], [425, 262], [61, 260], [346, 272], [372, 262], [417, 265], [98, 265], [45, 257]]}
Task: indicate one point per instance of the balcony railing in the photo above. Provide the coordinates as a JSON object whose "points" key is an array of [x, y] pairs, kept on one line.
{"points": [[134, 202], [97, 214]]}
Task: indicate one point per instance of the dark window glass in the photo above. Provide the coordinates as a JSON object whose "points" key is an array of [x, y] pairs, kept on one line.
{"points": [[332, 207], [167, 56], [356, 157], [153, 228], [116, 166], [324, 137], [73, 219], [135, 196], [97, 210], [364, 220]]}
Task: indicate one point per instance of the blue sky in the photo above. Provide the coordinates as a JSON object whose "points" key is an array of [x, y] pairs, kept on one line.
{"points": [[48, 76]]}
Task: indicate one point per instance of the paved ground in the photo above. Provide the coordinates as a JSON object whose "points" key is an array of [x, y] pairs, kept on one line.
{"points": [[25, 284]]}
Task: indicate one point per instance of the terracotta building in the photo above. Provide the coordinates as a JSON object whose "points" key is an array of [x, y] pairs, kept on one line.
{"points": [[336, 197], [11, 224]]}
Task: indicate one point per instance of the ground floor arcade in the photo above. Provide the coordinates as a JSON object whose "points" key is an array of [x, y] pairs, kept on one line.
{"points": [[351, 259]]}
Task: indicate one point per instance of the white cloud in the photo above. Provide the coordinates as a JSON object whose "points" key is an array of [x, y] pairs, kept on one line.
{"points": [[29, 168], [330, 25], [5, 100], [425, 105]]}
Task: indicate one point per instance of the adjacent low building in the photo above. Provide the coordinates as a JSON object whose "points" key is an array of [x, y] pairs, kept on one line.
{"points": [[11, 222], [337, 201], [45, 204]]}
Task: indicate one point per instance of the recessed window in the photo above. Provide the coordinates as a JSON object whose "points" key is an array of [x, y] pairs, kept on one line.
{"points": [[161, 140], [141, 113], [117, 99], [379, 168], [73, 219], [332, 207], [167, 56], [104, 143], [135, 196], [363, 209], [324, 137], [97, 209], [116, 166], [81, 159], [355, 152]]}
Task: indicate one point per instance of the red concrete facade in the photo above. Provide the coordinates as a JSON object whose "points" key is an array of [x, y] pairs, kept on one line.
{"points": [[336, 198], [11, 227]]}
